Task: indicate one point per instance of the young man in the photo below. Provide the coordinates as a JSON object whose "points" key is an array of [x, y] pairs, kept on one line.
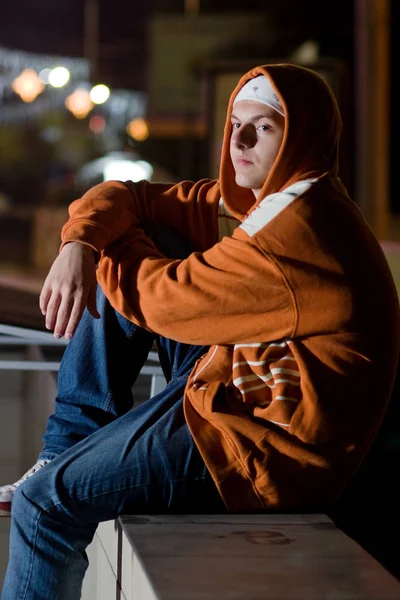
{"points": [[279, 341]]}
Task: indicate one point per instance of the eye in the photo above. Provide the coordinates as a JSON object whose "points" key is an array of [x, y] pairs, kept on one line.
{"points": [[265, 127], [235, 125]]}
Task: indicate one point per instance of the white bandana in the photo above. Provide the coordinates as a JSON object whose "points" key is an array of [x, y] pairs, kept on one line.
{"points": [[259, 89]]}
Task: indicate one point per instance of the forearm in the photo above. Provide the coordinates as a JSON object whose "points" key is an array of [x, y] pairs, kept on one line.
{"points": [[101, 216], [229, 294], [107, 211]]}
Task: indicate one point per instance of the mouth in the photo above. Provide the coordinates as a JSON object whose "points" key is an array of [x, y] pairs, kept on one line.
{"points": [[241, 161]]}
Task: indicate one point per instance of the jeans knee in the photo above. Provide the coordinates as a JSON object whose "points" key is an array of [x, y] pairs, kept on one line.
{"points": [[33, 492], [20, 503]]}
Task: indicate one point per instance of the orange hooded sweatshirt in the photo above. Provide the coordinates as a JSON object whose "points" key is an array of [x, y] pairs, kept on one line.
{"points": [[297, 303]]}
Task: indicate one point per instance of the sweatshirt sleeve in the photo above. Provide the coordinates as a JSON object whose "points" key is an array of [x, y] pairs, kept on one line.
{"points": [[107, 211], [231, 293]]}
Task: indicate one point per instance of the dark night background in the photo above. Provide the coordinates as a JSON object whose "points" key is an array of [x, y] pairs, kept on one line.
{"points": [[58, 28]]}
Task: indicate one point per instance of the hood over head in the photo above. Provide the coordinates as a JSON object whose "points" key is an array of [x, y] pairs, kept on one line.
{"points": [[310, 141]]}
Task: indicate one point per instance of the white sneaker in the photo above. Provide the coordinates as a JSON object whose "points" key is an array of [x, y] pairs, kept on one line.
{"points": [[7, 491]]}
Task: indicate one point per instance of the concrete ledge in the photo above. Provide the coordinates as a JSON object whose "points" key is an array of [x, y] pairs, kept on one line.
{"points": [[232, 557]]}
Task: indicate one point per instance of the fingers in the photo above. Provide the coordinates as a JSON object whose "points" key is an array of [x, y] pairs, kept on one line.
{"points": [[44, 298], [63, 316], [69, 287], [74, 318], [52, 309], [64, 313]]}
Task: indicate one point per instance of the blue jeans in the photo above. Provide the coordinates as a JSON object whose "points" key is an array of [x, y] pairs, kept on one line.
{"points": [[107, 460]]}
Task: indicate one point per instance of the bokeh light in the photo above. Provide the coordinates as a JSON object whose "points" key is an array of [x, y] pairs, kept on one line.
{"points": [[27, 85], [97, 123], [123, 170], [79, 103], [59, 76], [44, 76], [99, 94], [138, 129]]}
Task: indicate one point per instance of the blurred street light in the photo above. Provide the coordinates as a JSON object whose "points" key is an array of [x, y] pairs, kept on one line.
{"points": [[59, 76], [122, 170], [307, 53], [138, 130], [99, 94], [120, 166], [79, 103], [44, 76], [28, 85], [97, 124]]}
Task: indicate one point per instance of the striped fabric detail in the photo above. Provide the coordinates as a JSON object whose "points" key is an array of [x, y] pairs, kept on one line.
{"points": [[268, 379], [272, 205], [262, 345], [265, 377], [207, 363]]}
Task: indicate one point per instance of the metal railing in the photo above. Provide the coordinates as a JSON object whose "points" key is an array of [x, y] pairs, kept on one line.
{"points": [[11, 336]]}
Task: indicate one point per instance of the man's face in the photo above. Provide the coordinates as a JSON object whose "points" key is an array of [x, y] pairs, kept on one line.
{"points": [[257, 132]]}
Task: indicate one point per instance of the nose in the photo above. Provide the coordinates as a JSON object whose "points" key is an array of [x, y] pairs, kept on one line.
{"points": [[244, 137]]}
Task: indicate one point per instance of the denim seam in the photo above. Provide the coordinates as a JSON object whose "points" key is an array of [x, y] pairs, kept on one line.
{"points": [[54, 506], [132, 332], [47, 456], [109, 402], [32, 553], [184, 376]]}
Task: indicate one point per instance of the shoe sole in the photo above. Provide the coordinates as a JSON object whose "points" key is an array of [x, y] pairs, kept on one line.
{"points": [[5, 509]]}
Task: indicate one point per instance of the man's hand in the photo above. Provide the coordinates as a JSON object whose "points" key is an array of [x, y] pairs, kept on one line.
{"points": [[70, 286]]}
